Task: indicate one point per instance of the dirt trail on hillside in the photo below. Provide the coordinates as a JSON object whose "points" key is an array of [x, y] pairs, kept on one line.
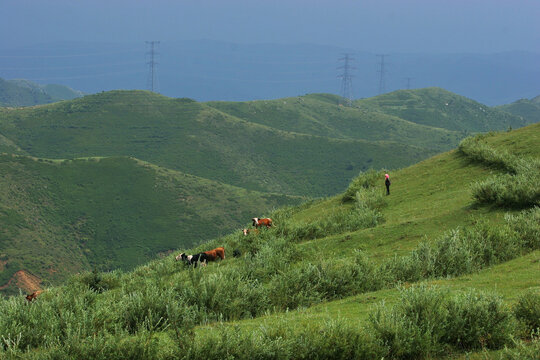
{"points": [[24, 280]]}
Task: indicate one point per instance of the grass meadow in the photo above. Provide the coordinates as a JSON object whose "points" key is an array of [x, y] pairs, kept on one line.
{"points": [[427, 272]]}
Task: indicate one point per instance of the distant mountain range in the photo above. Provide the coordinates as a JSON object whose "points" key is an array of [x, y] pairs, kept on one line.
{"points": [[27, 93], [210, 70]]}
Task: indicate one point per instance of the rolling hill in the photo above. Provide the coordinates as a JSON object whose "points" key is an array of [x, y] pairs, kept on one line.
{"points": [[198, 139], [529, 110], [320, 115], [250, 144], [442, 109], [20, 92], [426, 272], [60, 217]]}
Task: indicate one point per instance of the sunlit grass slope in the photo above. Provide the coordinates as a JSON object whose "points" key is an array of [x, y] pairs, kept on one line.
{"points": [[440, 108], [321, 114], [335, 278], [61, 217], [195, 138], [524, 108]]}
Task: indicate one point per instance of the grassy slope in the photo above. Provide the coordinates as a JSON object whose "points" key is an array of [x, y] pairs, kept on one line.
{"points": [[527, 109], [197, 139], [319, 114], [427, 199], [11, 94], [440, 108], [61, 217]]}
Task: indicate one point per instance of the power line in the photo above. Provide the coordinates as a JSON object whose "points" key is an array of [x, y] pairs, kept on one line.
{"points": [[382, 73], [408, 82], [346, 79], [152, 81]]}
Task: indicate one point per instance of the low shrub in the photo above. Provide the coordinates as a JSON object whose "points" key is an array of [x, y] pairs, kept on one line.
{"points": [[478, 320], [518, 188], [462, 251], [426, 321], [527, 311], [522, 350], [333, 339], [365, 180]]}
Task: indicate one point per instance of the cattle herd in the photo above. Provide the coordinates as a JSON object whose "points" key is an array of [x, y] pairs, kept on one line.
{"points": [[211, 255], [200, 258]]}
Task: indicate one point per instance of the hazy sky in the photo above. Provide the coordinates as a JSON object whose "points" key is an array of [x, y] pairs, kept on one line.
{"points": [[365, 25]]}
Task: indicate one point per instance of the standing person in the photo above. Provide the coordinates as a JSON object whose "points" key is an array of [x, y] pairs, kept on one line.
{"points": [[387, 183]]}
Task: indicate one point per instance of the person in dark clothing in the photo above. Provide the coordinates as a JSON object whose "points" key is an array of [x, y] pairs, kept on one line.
{"points": [[387, 183]]}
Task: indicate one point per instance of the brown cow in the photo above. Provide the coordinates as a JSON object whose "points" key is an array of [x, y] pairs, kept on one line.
{"points": [[33, 295], [214, 254], [262, 222], [249, 231]]}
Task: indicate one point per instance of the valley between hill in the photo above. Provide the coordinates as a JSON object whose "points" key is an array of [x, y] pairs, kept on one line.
{"points": [[429, 271], [75, 196]]}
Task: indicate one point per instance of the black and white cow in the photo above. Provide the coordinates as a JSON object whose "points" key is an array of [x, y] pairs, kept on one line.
{"points": [[193, 259]]}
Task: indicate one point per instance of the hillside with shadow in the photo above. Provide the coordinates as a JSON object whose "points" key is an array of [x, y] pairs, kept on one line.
{"points": [[437, 269], [61, 217]]}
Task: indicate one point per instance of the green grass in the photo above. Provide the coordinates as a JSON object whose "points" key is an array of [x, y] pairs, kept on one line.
{"points": [[249, 144], [316, 115], [195, 138], [62, 217], [442, 109], [527, 109], [290, 290]]}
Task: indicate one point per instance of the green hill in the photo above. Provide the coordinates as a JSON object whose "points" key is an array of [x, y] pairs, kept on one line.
{"points": [[529, 110], [319, 114], [250, 144], [61, 217], [12, 94], [427, 272], [22, 92], [198, 139], [442, 109]]}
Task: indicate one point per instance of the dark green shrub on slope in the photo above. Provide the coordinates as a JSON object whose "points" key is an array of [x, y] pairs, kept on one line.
{"points": [[519, 187]]}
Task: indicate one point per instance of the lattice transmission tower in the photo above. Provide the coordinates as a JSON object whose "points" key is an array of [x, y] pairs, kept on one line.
{"points": [[346, 79], [382, 74], [152, 65]]}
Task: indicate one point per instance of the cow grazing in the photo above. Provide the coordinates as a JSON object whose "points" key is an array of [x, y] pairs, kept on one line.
{"points": [[193, 259], [216, 253], [262, 222], [203, 257], [33, 295], [250, 231]]}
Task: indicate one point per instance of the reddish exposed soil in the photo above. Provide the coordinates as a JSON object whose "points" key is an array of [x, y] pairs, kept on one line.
{"points": [[24, 280]]}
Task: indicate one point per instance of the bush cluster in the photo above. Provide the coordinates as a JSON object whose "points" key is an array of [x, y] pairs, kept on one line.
{"points": [[518, 187], [429, 321], [365, 180], [425, 322], [463, 251]]}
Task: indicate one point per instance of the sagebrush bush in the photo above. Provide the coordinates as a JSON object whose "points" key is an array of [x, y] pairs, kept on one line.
{"points": [[333, 339], [365, 180], [527, 310], [478, 320], [478, 151], [462, 251], [519, 187], [426, 321], [523, 350]]}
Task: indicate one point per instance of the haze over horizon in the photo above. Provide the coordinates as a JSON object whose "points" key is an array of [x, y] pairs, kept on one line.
{"points": [[479, 26], [434, 28]]}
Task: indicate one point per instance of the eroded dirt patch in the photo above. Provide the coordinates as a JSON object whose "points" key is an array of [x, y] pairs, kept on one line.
{"points": [[24, 280]]}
